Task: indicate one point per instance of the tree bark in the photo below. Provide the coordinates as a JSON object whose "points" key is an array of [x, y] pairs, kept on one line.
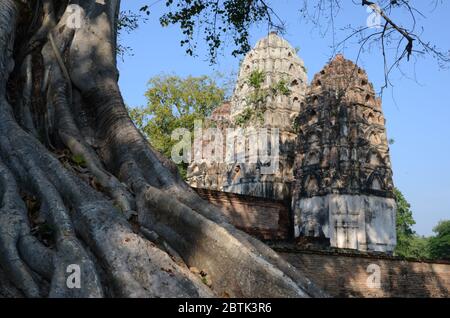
{"points": [[123, 215]]}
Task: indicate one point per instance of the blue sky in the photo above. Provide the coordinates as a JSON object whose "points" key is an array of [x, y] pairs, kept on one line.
{"points": [[417, 109]]}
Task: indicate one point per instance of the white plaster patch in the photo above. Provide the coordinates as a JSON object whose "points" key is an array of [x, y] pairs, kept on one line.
{"points": [[350, 221]]}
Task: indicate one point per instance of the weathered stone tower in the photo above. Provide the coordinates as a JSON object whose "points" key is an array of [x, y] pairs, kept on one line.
{"points": [[269, 91], [333, 155], [278, 62], [344, 188]]}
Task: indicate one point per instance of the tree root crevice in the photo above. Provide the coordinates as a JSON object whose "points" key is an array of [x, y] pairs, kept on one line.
{"points": [[94, 227]]}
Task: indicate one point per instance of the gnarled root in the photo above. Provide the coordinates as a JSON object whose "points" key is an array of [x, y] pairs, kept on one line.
{"points": [[238, 264], [134, 266], [14, 228], [235, 269], [89, 232]]}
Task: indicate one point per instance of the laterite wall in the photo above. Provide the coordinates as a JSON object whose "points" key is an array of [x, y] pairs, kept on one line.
{"points": [[343, 275], [262, 218]]}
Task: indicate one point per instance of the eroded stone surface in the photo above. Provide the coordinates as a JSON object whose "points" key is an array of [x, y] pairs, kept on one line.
{"points": [[344, 188], [333, 160], [279, 65], [358, 222]]}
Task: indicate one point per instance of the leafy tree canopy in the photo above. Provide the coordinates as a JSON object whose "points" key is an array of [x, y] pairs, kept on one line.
{"points": [[411, 245], [175, 102], [405, 221], [439, 245]]}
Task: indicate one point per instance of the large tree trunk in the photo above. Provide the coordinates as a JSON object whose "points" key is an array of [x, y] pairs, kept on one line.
{"points": [[119, 210]]}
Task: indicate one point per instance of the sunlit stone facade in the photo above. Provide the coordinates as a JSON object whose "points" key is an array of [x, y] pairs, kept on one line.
{"points": [[333, 163], [344, 188]]}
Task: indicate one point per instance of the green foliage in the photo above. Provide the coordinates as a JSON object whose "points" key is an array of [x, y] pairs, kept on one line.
{"points": [[175, 102], [418, 248], [410, 245], [255, 100], [244, 117], [219, 21], [249, 114], [257, 97], [128, 22], [439, 245], [281, 88], [79, 160], [229, 22], [256, 79], [404, 224]]}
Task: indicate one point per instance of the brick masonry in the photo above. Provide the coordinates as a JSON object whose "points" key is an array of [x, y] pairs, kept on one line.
{"points": [[340, 272], [346, 276], [263, 218]]}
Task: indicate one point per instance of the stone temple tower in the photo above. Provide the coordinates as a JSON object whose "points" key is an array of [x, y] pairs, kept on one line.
{"points": [[344, 187], [270, 88], [279, 65], [278, 61]]}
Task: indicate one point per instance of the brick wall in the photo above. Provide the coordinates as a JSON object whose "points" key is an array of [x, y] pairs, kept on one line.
{"points": [[262, 218], [347, 275], [341, 273]]}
